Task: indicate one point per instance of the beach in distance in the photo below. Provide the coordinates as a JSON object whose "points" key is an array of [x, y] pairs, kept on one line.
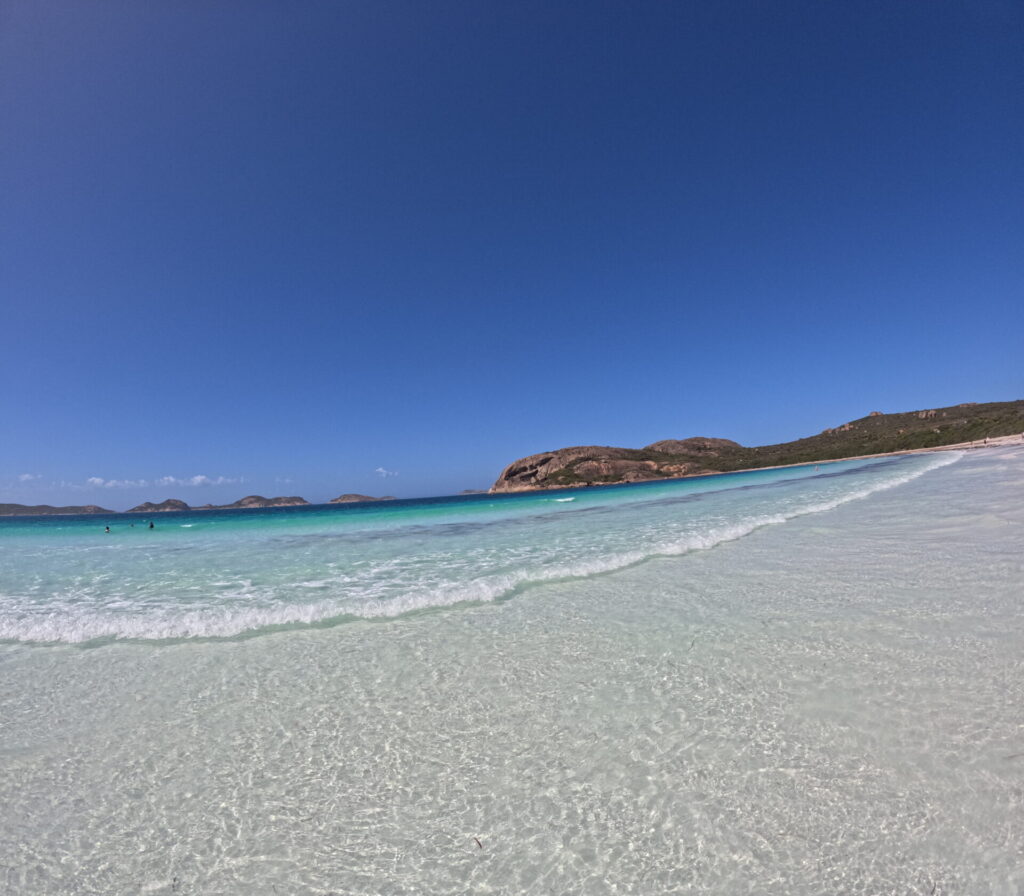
{"points": [[796, 680]]}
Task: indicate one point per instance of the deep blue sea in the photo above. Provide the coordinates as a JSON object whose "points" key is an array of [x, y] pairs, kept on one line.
{"points": [[804, 680]]}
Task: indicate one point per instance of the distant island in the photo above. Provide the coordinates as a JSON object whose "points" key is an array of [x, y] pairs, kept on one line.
{"points": [[355, 499], [251, 501], [171, 504], [877, 433], [174, 505]]}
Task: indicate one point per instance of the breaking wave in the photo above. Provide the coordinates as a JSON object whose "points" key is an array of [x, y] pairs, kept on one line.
{"points": [[566, 546]]}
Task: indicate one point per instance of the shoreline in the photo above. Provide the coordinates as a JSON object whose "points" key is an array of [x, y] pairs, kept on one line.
{"points": [[764, 683], [993, 442], [1016, 440]]}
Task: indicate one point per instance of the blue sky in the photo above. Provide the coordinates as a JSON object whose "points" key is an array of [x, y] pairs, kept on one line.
{"points": [[320, 247]]}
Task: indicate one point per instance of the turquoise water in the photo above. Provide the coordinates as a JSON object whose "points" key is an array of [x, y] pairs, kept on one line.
{"points": [[223, 574], [792, 681]]}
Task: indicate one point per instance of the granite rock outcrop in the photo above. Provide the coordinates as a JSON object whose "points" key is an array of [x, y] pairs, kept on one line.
{"points": [[592, 465]]}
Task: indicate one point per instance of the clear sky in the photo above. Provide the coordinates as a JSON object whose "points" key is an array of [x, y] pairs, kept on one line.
{"points": [[388, 247]]}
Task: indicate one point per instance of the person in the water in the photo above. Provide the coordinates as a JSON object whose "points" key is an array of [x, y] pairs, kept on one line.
{"points": [[151, 525], [108, 530]]}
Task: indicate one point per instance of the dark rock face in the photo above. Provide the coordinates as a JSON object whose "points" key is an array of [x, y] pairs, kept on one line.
{"points": [[162, 507]]}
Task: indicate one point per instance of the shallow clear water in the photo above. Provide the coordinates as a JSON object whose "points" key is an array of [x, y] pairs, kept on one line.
{"points": [[207, 574], [794, 681]]}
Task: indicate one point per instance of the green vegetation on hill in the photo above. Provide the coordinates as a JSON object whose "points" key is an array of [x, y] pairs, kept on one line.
{"points": [[882, 433], [876, 433]]}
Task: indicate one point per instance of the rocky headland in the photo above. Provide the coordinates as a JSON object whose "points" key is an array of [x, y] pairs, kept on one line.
{"points": [[877, 433], [602, 465]]}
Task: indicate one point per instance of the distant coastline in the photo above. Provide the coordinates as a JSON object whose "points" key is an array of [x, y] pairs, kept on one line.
{"points": [[963, 426], [174, 505], [49, 510]]}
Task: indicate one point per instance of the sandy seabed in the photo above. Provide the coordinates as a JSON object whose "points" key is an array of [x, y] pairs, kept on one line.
{"points": [[829, 705]]}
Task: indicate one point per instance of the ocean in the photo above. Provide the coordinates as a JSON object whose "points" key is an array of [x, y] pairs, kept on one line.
{"points": [[802, 680]]}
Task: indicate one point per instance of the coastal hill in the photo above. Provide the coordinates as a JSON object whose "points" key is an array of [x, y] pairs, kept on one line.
{"points": [[47, 510], [877, 433], [260, 501], [170, 504], [176, 505], [354, 499]]}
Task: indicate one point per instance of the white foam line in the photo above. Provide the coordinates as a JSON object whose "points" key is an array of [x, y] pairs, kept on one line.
{"points": [[83, 626], [499, 587]]}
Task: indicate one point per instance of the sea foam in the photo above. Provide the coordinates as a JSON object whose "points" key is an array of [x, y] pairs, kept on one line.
{"points": [[261, 579]]}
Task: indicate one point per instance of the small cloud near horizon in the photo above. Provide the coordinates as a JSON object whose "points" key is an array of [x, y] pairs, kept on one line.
{"points": [[198, 480], [380, 471], [29, 477], [99, 482]]}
